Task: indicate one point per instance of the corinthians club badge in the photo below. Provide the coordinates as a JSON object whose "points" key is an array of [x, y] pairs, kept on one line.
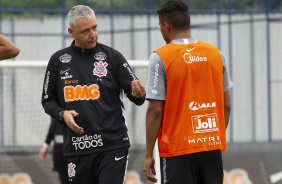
{"points": [[71, 170], [100, 69]]}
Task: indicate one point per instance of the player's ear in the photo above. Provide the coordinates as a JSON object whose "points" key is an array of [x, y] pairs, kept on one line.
{"points": [[70, 32], [167, 26]]}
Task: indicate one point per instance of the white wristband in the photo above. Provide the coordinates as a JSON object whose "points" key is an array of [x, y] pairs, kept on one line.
{"points": [[45, 145]]}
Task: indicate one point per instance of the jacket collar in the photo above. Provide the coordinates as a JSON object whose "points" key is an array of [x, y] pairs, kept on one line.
{"points": [[86, 51]]}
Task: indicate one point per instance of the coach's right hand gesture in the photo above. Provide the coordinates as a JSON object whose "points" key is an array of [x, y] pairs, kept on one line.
{"points": [[69, 120], [138, 90]]}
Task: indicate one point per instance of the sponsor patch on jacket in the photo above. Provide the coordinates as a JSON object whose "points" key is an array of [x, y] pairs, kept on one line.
{"points": [[65, 58], [100, 56], [100, 69]]}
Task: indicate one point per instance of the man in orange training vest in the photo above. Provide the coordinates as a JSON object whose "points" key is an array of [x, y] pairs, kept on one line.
{"points": [[189, 103]]}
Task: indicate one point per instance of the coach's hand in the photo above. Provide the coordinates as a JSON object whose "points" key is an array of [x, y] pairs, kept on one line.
{"points": [[138, 90], [69, 120], [149, 167]]}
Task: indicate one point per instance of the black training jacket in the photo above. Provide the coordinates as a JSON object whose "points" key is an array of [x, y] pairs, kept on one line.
{"points": [[93, 84]]}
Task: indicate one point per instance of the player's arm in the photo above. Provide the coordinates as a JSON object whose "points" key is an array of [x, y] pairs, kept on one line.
{"points": [[7, 48], [156, 92], [43, 151], [227, 83], [50, 136], [227, 108], [154, 117], [51, 132]]}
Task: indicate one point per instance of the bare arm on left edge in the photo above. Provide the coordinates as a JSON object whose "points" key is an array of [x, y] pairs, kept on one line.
{"points": [[7, 48]]}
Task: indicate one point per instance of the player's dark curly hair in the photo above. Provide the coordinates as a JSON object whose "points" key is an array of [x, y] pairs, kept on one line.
{"points": [[176, 13]]}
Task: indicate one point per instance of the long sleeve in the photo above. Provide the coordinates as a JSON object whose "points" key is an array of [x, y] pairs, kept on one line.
{"points": [[51, 133], [49, 98], [126, 75]]}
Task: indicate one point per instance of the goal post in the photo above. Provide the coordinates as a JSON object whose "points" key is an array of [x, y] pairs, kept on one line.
{"points": [[24, 124]]}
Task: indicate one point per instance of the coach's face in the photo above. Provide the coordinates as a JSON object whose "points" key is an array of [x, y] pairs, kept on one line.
{"points": [[85, 32]]}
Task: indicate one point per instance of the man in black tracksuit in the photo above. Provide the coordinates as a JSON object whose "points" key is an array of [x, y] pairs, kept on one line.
{"points": [[83, 88], [55, 134]]}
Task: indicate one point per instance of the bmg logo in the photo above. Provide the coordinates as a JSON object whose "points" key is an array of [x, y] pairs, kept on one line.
{"points": [[205, 123]]}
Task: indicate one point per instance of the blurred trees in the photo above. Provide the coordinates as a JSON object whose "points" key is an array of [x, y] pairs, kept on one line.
{"points": [[235, 4], [141, 4]]}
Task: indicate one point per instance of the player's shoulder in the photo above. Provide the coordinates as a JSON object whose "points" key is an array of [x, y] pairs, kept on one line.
{"points": [[207, 44]]}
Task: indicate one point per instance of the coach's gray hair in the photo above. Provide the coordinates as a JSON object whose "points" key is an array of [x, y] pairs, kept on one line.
{"points": [[79, 11]]}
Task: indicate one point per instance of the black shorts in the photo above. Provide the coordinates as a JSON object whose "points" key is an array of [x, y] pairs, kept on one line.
{"points": [[100, 168], [197, 168]]}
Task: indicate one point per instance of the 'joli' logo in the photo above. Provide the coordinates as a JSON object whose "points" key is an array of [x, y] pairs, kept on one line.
{"points": [[205, 123]]}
